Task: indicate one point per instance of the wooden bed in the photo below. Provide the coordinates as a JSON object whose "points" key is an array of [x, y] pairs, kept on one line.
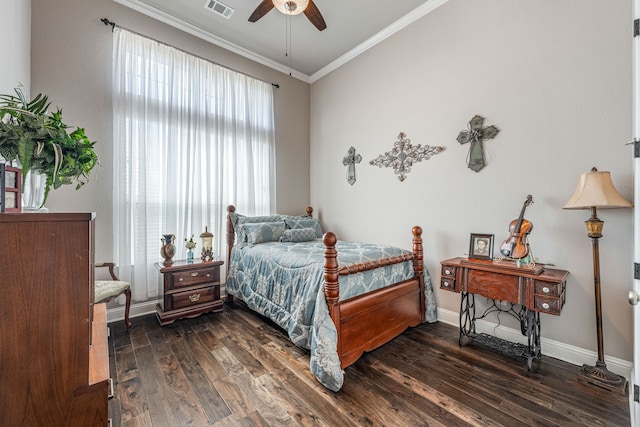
{"points": [[370, 320]]}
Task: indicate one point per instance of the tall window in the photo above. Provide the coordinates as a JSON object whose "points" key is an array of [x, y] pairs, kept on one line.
{"points": [[189, 138]]}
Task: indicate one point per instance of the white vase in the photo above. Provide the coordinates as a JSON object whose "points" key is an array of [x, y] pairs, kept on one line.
{"points": [[33, 188]]}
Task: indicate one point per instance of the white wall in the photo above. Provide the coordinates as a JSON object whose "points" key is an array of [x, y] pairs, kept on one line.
{"points": [[71, 55], [16, 28], [555, 78]]}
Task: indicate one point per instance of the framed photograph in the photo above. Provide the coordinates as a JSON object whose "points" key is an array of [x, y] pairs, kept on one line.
{"points": [[481, 246], [10, 189]]}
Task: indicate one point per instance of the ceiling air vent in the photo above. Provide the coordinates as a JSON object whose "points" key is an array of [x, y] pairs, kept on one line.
{"points": [[219, 8]]}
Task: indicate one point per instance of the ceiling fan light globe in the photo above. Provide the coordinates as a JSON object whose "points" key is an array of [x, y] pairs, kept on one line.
{"points": [[291, 7]]}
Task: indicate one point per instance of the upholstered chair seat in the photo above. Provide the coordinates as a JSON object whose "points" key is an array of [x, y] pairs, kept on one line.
{"points": [[107, 290]]}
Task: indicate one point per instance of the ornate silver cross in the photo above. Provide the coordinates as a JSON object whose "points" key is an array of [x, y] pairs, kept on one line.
{"points": [[350, 161], [475, 135], [404, 155]]}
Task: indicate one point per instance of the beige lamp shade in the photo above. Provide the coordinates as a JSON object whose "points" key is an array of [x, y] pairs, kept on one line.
{"points": [[291, 7], [595, 190]]}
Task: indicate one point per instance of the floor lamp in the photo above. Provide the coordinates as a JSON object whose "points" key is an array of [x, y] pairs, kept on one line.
{"points": [[595, 190]]}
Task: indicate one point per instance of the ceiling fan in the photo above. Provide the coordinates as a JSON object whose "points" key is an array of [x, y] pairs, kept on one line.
{"points": [[291, 7]]}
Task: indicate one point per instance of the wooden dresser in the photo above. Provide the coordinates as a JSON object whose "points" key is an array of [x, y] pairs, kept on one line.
{"points": [[190, 289], [53, 346]]}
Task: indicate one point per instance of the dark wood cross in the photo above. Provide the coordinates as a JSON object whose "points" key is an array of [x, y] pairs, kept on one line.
{"points": [[350, 161], [475, 135]]}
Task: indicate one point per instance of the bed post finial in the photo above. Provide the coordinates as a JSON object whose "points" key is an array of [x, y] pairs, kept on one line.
{"points": [[418, 266], [331, 285], [418, 255], [309, 211]]}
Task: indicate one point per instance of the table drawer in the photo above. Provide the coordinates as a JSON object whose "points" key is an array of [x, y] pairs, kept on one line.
{"points": [[547, 305], [548, 289], [499, 287], [448, 283], [194, 297], [181, 279], [449, 271]]}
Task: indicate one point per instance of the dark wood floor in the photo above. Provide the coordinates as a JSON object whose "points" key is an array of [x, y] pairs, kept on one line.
{"points": [[236, 369]]}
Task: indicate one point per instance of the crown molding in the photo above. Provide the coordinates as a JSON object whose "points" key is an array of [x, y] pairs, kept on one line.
{"points": [[172, 21], [400, 24]]}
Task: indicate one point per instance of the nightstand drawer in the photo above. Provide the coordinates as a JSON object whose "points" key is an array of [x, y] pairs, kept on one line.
{"points": [[195, 297], [181, 279]]}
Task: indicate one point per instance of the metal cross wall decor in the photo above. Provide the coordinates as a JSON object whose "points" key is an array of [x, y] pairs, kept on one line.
{"points": [[475, 134], [404, 155], [350, 161]]}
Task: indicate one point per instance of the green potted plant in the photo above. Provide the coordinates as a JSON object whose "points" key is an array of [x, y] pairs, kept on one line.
{"points": [[42, 143]]}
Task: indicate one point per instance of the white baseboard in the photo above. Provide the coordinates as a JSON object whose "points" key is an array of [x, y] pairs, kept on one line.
{"points": [[565, 352], [139, 309]]}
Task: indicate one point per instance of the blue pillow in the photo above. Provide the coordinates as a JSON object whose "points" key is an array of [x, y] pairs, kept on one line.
{"points": [[298, 235], [237, 220], [263, 231], [295, 223]]}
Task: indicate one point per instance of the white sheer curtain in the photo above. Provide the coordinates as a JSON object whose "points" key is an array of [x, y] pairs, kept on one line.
{"points": [[190, 137]]}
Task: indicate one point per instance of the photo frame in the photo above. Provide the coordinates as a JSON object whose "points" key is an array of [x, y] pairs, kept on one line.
{"points": [[10, 189], [481, 246]]}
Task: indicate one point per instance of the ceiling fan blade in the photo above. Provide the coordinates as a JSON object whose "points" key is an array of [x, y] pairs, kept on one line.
{"points": [[262, 9], [315, 16]]}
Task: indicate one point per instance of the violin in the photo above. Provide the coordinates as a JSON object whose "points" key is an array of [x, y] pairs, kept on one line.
{"points": [[516, 245]]}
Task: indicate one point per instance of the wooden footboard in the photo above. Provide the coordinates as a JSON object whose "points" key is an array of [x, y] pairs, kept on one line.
{"points": [[370, 320]]}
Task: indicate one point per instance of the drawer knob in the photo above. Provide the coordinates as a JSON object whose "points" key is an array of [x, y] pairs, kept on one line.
{"points": [[194, 297], [445, 284], [208, 274], [194, 274], [545, 305], [180, 279], [447, 272], [545, 290]]}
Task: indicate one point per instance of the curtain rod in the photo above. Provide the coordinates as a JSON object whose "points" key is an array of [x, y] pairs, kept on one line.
{"points": [[113, 25]]}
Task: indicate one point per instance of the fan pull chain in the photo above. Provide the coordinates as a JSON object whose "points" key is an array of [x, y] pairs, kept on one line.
{"points": [[286, 38], [289, 41]]}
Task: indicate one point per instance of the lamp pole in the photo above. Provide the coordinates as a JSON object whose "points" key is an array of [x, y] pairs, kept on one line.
{"points": [[599, 375]]}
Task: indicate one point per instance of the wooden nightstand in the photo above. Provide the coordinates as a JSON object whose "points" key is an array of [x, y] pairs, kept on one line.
{"points": [[190, 289]]}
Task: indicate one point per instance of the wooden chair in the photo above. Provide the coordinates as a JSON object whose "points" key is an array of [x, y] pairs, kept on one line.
{"points": [[107, 290]]}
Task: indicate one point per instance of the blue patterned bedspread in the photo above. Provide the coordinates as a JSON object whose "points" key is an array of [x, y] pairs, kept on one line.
{"points": [[283, 281]]}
